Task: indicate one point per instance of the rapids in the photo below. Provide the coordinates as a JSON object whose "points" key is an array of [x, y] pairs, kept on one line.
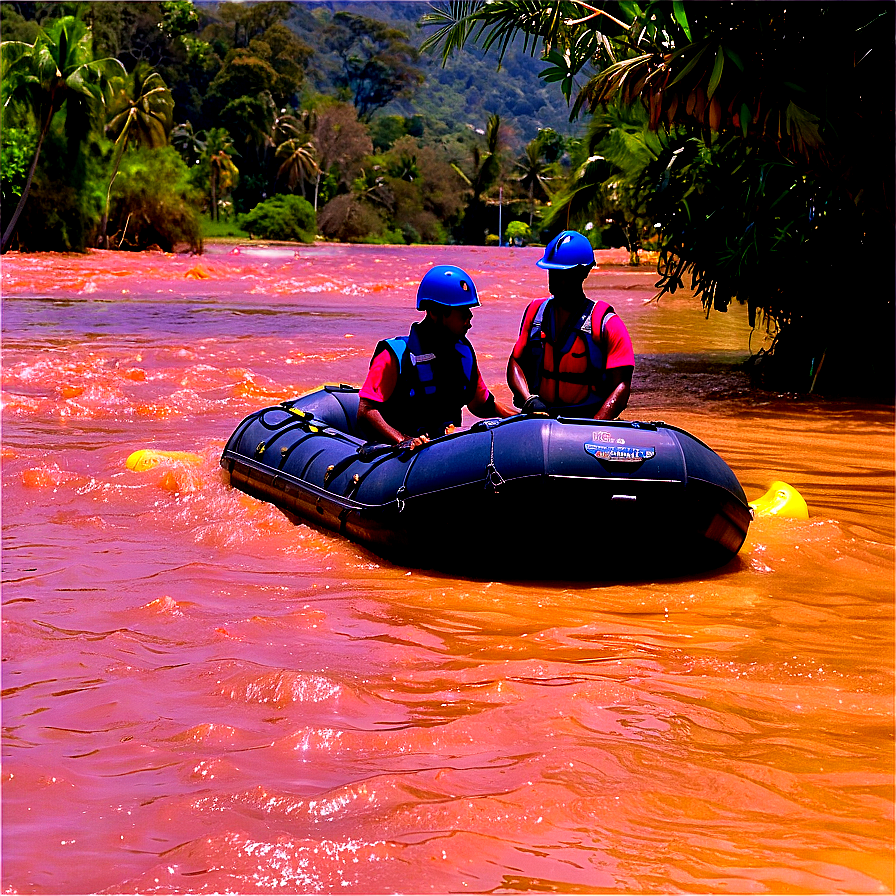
{"points": [[200, 696]]}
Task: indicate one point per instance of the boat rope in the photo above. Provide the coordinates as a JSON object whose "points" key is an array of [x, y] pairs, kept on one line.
{"points": [[402, 489], [492, 476]]}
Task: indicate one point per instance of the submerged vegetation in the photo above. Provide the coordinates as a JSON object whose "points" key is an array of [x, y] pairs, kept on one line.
{"points": [[757, 164]]}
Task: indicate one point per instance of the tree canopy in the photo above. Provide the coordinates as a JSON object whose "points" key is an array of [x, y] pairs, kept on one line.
{"points": [[377, 63]]}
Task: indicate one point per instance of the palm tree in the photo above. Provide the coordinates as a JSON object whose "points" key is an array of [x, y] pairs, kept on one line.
{"points": [[189, 143], [141, 108], [299, 162], [285, 126], [533, 174], [606, 181], [57, 69], [223, 172], [292, 143], [486, 172]]}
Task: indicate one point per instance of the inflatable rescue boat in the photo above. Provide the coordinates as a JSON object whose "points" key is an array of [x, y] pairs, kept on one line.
{"points": [[531, 495]]}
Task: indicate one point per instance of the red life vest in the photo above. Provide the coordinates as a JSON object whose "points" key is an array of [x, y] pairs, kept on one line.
{"points": [[572, 374]]}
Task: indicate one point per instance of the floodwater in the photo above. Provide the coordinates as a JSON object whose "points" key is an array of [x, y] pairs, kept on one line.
{"points": [[200, 696]]}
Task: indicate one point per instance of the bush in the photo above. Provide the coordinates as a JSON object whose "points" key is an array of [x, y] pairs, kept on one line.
{"points": [[425, 227], [153, 203], [393, 237], [16, 154], [347, 219], [518, 233], [284, 217]]}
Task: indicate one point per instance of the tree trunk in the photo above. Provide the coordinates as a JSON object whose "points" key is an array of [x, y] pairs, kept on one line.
{"points": [[11, 229], [104, 239]]}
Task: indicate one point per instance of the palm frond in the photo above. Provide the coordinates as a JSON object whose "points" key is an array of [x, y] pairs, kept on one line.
{"points": [[457, 20]]}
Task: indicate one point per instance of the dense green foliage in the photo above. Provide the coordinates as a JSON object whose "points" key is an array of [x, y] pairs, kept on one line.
{"points": [[153, 202], [455, 98], [17, 147], [66, 198], [376, 62], [281, 218], [56, 71], [311, 99]]}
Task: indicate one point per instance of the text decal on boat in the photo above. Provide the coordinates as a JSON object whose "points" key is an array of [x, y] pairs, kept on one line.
{"points": [[628, 453]]}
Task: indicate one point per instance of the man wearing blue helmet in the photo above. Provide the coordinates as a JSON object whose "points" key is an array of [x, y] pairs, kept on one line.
{"points": [[418, 384], [573, 356]]}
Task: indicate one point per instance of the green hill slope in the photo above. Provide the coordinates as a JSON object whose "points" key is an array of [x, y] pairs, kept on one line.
{"points": [[464, 93]]}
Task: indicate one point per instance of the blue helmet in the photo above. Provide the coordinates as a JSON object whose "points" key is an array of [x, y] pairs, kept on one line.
{"points": [[447, 285], [567, 250]]}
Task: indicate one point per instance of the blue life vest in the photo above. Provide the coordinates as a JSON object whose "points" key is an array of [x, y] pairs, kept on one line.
{"points": [[431, 391]]}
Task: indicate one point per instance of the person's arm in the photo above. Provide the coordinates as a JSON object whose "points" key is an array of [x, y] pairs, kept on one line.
{"points": [[516, 379], [370, 414], [378, 387], [528, 402], [620, 381], [620, 367], [523, 397]]}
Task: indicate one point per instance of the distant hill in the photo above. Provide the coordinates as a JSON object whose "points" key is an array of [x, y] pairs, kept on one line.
{"points": [[464, 93]]}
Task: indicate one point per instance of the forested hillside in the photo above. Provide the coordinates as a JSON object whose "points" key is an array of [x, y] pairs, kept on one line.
{"points": [[465, 92]]}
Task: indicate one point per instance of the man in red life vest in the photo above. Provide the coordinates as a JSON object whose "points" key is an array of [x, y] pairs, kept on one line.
{"points": [[418, 384], [573, 356]]}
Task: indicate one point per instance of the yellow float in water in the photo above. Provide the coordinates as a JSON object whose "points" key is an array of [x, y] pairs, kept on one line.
{"points": [[781, 499], [148, 458]]}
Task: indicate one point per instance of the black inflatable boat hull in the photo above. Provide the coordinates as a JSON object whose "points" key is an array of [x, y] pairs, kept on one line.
{"points": [[538, 495]]}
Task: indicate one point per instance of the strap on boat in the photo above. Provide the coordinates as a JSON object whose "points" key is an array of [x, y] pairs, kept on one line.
{"points": [[492, 476], [402, 489]]}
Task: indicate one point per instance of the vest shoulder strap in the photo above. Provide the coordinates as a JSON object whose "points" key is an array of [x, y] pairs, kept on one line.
{"points": [[468, 359], [600, 311], [399, 348], [535, 315]]}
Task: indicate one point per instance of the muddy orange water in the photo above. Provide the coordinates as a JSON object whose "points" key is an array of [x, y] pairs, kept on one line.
{"points": [[200, 696]]}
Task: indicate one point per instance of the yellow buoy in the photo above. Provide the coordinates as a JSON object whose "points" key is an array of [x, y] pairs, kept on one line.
{"points": [[781, 499], [147, 458]]}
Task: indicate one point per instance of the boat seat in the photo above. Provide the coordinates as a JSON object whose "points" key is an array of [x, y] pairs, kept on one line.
{"points": [[335, 406]]}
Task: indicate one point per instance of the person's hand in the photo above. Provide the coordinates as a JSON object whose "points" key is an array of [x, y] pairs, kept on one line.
{"points": [[534, 405], [412, 444]]}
